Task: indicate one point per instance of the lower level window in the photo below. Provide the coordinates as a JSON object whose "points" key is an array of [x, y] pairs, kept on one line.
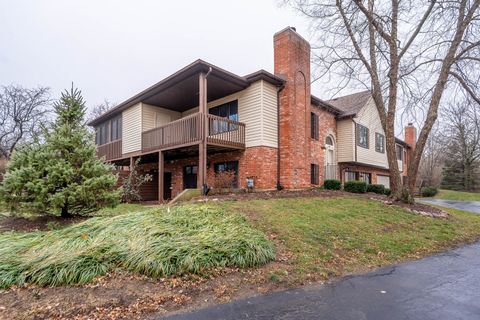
{"points": [[314, 173], [365, 177], [350, 176]]}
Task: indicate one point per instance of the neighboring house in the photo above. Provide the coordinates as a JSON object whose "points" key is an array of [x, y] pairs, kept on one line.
{"points": [[266, 127]]}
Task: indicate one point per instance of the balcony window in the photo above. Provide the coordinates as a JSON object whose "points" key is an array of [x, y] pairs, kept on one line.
{"points": [[227, 110], [362, 136], [116, 128], [102, 133]]}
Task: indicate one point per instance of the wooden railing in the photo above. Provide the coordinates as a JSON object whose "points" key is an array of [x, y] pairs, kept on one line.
{"points": [[177, 133], [225, 132], [111, 150], [190, 130]]}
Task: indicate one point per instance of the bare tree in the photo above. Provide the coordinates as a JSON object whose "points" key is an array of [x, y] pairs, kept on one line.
{"points": [[23, 111], [406, 52], [431, 165], [100, 109], [462, 147]]}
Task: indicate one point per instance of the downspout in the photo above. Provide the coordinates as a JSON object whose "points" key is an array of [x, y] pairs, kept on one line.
{"points": [[355, 141], [279, 185]]}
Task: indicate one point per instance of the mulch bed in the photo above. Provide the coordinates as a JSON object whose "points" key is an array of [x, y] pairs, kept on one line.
{"points": [[40, 223]]}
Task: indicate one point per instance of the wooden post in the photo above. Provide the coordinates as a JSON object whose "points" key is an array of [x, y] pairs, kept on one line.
{"points": [[160, 177], [202, 147], [131, 163]]}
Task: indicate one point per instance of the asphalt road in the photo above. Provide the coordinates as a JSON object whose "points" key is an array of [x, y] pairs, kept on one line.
{"points": [[471, 206], [445, 286]]}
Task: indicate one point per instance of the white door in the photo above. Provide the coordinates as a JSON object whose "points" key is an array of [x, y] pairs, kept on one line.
{"points": [[385, 180]]}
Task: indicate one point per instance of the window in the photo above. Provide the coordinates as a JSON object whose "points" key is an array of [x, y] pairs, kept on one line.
{"points": [[314, 126], [362, 136], [314, 174], [365, 177], [102, 133], [228, 166], [379, 142], [399, 152], [329, 141], [227, 110], [116, 128], [350, 176]]}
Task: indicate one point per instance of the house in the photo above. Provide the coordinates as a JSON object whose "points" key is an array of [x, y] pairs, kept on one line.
{"points": [[264, 127]]}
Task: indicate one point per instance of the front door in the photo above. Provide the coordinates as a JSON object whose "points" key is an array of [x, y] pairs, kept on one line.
{"points": [[190, 177], [167, 185]]}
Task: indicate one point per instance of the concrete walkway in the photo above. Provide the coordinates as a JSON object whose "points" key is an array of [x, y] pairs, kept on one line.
{"points": [[471, 206], [445, 286]]}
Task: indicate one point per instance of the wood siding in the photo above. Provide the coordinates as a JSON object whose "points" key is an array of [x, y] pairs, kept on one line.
{"points": [[345, 140], [153, 116], [369, 118], [132, 129]]}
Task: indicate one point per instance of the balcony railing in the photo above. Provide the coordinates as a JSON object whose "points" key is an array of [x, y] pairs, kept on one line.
{"points": [[111, 150], [190, 130]]}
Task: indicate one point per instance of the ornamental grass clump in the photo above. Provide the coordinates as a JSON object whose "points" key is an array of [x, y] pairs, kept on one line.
{"points": [[155, 243]]}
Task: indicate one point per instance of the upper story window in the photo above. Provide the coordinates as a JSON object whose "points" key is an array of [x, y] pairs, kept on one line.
{"points": [[227, 110], [314, 126], [362, 136], [116, 128], [399, 152], [108, 131], [379, 142]]}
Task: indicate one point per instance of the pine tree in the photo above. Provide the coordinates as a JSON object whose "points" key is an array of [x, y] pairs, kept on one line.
{"points": [[62, 174]]}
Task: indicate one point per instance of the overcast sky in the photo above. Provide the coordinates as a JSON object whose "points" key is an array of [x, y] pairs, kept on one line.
{"points": [[114, 49]]}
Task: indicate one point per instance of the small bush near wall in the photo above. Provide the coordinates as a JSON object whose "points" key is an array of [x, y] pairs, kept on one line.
{"points": [[376, 188], [221, 180], [387, 192], [332, 184], [355, 186], [429, 192]]}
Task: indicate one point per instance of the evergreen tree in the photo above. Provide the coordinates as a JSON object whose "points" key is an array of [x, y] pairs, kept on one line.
{"points": [[61, 174]]}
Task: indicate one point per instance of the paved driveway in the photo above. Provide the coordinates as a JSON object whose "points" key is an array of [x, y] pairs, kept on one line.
{"points": [[471, 206], [446, 286]]}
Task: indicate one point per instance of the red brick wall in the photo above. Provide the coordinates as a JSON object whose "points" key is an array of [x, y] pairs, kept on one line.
{"points": [[292, 62], [257, 162], [358, 168]]}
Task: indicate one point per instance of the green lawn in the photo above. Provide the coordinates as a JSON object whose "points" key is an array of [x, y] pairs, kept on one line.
{"points": [[458, 195], [332, 237]]}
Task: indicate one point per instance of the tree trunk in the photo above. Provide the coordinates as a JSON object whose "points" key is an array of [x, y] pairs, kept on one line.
{"points": [[65, 214]]}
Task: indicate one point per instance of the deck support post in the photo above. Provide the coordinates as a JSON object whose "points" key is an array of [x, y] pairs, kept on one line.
{"points": [[202, 147], [131, 163], [160, 177]]}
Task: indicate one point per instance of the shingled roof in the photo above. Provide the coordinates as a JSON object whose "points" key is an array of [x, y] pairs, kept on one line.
{"points": [[351, 104]]}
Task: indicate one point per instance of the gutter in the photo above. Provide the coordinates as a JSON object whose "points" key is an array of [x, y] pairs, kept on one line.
{"points": [[279, 185]]}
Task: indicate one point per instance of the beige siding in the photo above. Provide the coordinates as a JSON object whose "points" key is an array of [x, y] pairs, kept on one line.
{"points": [[257, 108], [369, 118], [345, 140], [132, 129], [153, 116]]}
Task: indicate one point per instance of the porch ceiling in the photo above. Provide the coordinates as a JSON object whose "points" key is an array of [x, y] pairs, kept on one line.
{"points": [[180, 91]]}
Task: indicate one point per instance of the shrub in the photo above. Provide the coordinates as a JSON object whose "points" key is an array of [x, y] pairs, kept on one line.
{"points": [[132, 183], [221, 180], [332, 184], [376, 188], [355, 186], [387, 191], [429, 191], [156, 243]]}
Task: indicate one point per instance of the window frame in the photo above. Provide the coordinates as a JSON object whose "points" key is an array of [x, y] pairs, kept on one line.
{"points": [[315, 174], [399, 152], [367, 131], [314, 126], [227, 107], [377, 146]]}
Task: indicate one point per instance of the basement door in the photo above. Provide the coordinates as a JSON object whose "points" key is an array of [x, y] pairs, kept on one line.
{"points": [[190, 177]]}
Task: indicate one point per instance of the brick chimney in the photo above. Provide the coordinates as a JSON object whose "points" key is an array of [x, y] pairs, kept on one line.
{"points": [[292, 63], [411, 135]]}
